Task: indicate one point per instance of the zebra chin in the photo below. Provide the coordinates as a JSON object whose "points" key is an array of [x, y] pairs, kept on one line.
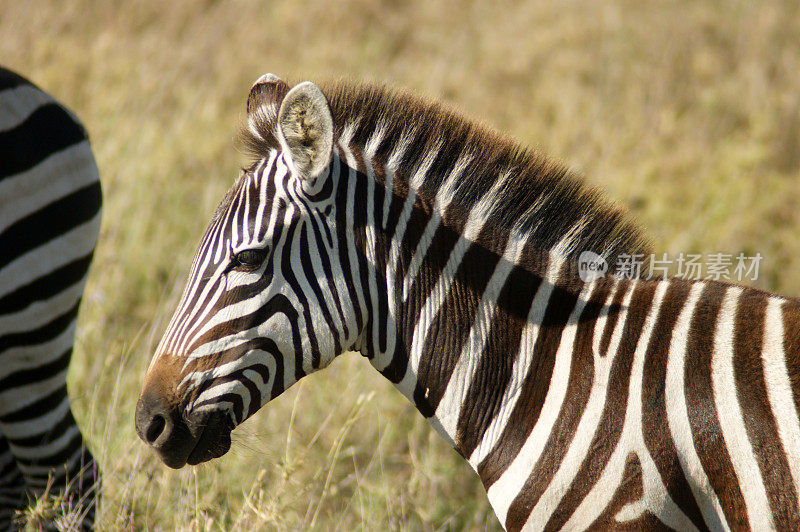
{"points": [[178, 437]]}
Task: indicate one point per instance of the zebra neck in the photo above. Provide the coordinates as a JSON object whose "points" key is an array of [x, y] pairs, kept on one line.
{"points": [[450, 307], [476, 323]]}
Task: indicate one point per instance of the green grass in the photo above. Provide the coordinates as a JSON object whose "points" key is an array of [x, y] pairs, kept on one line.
{"points": [[688, 113]]}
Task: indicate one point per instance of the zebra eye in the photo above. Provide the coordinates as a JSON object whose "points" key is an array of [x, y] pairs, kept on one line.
{"points": [[249, 260]]}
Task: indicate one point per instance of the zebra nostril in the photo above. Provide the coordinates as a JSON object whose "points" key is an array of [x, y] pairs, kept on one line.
{"points": [[154, 423], [155, 428], [163, 426]]}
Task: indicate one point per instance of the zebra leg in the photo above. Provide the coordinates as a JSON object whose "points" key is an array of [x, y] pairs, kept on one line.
{"points": [[12, 486], [36, 418], [55, 463], [16, 493]]}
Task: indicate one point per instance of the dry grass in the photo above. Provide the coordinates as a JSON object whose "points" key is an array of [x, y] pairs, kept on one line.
{"points": [[687, 112]]}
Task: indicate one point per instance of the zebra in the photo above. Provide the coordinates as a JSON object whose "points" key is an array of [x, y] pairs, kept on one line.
{"points": [[448, 255], [50, 203]]}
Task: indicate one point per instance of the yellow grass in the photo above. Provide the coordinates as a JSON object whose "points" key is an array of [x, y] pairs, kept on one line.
{"points": [[688, 113]]}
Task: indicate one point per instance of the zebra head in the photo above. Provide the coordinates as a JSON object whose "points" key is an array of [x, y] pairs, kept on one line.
{"points": [[250, 322]]}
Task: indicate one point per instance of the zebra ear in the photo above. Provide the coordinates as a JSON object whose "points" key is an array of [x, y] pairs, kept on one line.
{"points": [[267, 91], [263, 103], [305, 129]]}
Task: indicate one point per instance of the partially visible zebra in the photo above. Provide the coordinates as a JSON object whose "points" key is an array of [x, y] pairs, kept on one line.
{"points": [[447, 255], [49, 222]]}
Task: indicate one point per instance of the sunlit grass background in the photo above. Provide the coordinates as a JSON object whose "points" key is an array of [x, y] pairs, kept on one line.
{"points": [[688, 113]]}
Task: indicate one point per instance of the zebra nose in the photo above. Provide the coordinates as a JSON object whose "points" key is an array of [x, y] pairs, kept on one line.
{"points": [[153, 422], [163, 428]]}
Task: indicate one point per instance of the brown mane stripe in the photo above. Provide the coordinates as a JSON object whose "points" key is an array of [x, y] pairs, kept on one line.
{"points": [[529, 405], [701, 408], [758, 416], [655, 428]]}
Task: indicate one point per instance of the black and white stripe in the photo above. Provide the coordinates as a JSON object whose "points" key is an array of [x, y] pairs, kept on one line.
{"points": [[447, 256], [49, 221]]}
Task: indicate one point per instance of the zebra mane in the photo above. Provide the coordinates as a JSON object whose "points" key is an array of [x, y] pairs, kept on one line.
{"points": [[540, 198]]}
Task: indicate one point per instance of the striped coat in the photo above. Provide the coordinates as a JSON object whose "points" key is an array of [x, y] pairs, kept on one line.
{"points": [[49, 221], [449, 257]]}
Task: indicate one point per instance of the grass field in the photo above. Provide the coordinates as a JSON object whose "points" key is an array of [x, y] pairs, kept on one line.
{"points": [[688, 113]]}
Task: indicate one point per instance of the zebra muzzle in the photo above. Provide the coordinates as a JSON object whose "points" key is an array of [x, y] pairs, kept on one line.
{"points": [[181, 439]]}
